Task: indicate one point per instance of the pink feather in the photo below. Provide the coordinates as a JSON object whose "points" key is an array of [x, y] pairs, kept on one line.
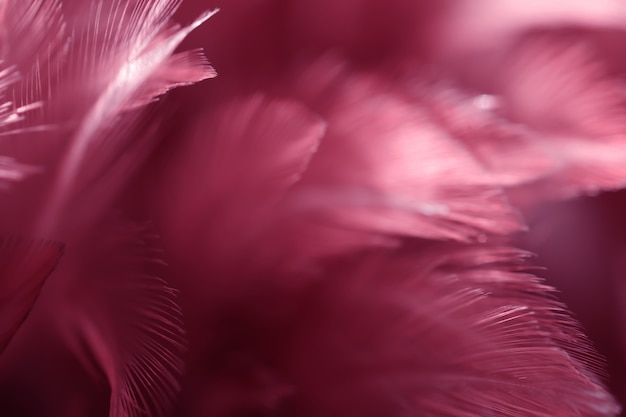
{"points": [[139, 39], [386, 166], [81, 69], [439, 331], [123, 321], [326, 217], [224, 188]]}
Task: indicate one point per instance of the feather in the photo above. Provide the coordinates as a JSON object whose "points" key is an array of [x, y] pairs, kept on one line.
{"points": [[115, 61], [33, 44], [33, 33], [554, 125], [66, 96], [25, 75], [558, 88], [11, 170], [181, 69], [429, 330], [513, 154], [347, 195], [385, 166], [226, 184], [558, 84], [461, 331], [24, 267], [473, 26], [125, 322]]}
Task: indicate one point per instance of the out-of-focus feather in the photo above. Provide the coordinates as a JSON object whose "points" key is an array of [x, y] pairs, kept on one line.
{"points": [[387, 167], [457, 331], [225, 186], [8, 113], [24, 267], [555, 123], [11, 170], [384, 169], [33, 33], [486, 24], [558, 88], [512, 153], [557, 84], [125, 321], [32, 40]]}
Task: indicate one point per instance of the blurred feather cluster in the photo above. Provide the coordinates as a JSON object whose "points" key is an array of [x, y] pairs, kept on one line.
{"points": [[339, 224]]}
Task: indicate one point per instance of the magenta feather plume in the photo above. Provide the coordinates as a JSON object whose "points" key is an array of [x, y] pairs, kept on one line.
{"points": [[334, 226]]}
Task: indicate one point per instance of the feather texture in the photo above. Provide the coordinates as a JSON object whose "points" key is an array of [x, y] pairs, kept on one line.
{"points": [[554, 125], [556, 87], [68, 90], [452, 331], [327, 218], [261, 156], [386, 167], [126, 323], [513, 154], [26, 74], [119, 60], [434, 330]]}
